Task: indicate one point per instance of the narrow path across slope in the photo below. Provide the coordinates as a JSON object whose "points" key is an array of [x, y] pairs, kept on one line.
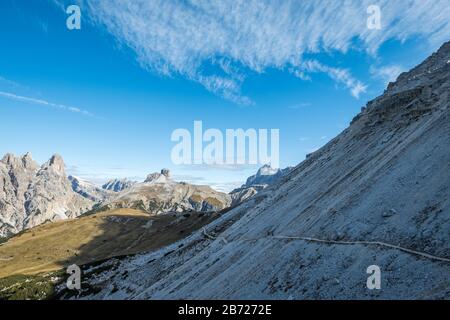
{"points": [[375, 243], [309, 239]]}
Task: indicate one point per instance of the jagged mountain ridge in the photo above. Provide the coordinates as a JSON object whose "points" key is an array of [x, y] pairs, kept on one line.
{"points": [[90, 191], [24, 182], [31, 194], [118, 185], [264, 177], [379, 188]]}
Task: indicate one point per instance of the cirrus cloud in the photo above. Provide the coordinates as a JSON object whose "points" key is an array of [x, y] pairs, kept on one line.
{"points": [[179, 37], [387, 73], [42, 102]]}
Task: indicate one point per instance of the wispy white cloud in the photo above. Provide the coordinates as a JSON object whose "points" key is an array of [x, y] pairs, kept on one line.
{"points": [[386, 73], [341, 76], [59, 4], [42, 102], [180, 37]]}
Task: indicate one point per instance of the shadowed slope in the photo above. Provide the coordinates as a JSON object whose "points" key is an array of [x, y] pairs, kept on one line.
{"points": [[93, 238]]}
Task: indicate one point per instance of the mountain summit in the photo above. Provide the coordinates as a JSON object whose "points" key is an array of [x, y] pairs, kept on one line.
{"points": [[160, 194], [31, 194], [265, 177], [118, 185]]}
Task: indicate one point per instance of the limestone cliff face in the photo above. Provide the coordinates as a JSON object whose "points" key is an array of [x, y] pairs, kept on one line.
{"points": [[31, 194], [118, 185], [90, 191], [265, 177], [16, 174]]}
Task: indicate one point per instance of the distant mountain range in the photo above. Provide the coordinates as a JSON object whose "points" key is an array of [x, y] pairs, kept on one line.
{"points": [[160, 194], [31, 194], [90, 191], [118, 185]]}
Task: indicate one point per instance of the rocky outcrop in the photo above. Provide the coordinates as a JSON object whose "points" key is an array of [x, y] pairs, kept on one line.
{"points": [[16, 174], [118, 185], [265, 177], [90, 191], [160, 194], [243, 194], [156, 177], [377, 194], [31, 195]]}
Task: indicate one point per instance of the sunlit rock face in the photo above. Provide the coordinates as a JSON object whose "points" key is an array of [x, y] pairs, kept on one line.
{"points": [[118, 185], [160, 194], [31, 194], [265, 177]]}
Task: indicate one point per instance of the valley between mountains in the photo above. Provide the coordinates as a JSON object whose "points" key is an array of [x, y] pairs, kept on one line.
{"points": [[77, 222], [377, 194]]}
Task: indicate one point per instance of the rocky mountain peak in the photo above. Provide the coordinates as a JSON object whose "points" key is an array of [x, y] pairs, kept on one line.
{"points": [[428, 82], [89, 190], [165, 172], [267, 170], [118, 185], [27, 157], [156, 177], [28, 162], [159, 194], [56, 160], [31, 195], [424, 72], [8, 158], [266, 175], [24, 162], [56, 163]]}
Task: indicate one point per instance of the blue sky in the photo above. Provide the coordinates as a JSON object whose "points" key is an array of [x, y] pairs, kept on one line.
{"points": [[107, 97]]}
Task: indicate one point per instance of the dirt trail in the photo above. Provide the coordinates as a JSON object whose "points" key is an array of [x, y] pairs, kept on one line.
{"points": [[357, 242]]}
